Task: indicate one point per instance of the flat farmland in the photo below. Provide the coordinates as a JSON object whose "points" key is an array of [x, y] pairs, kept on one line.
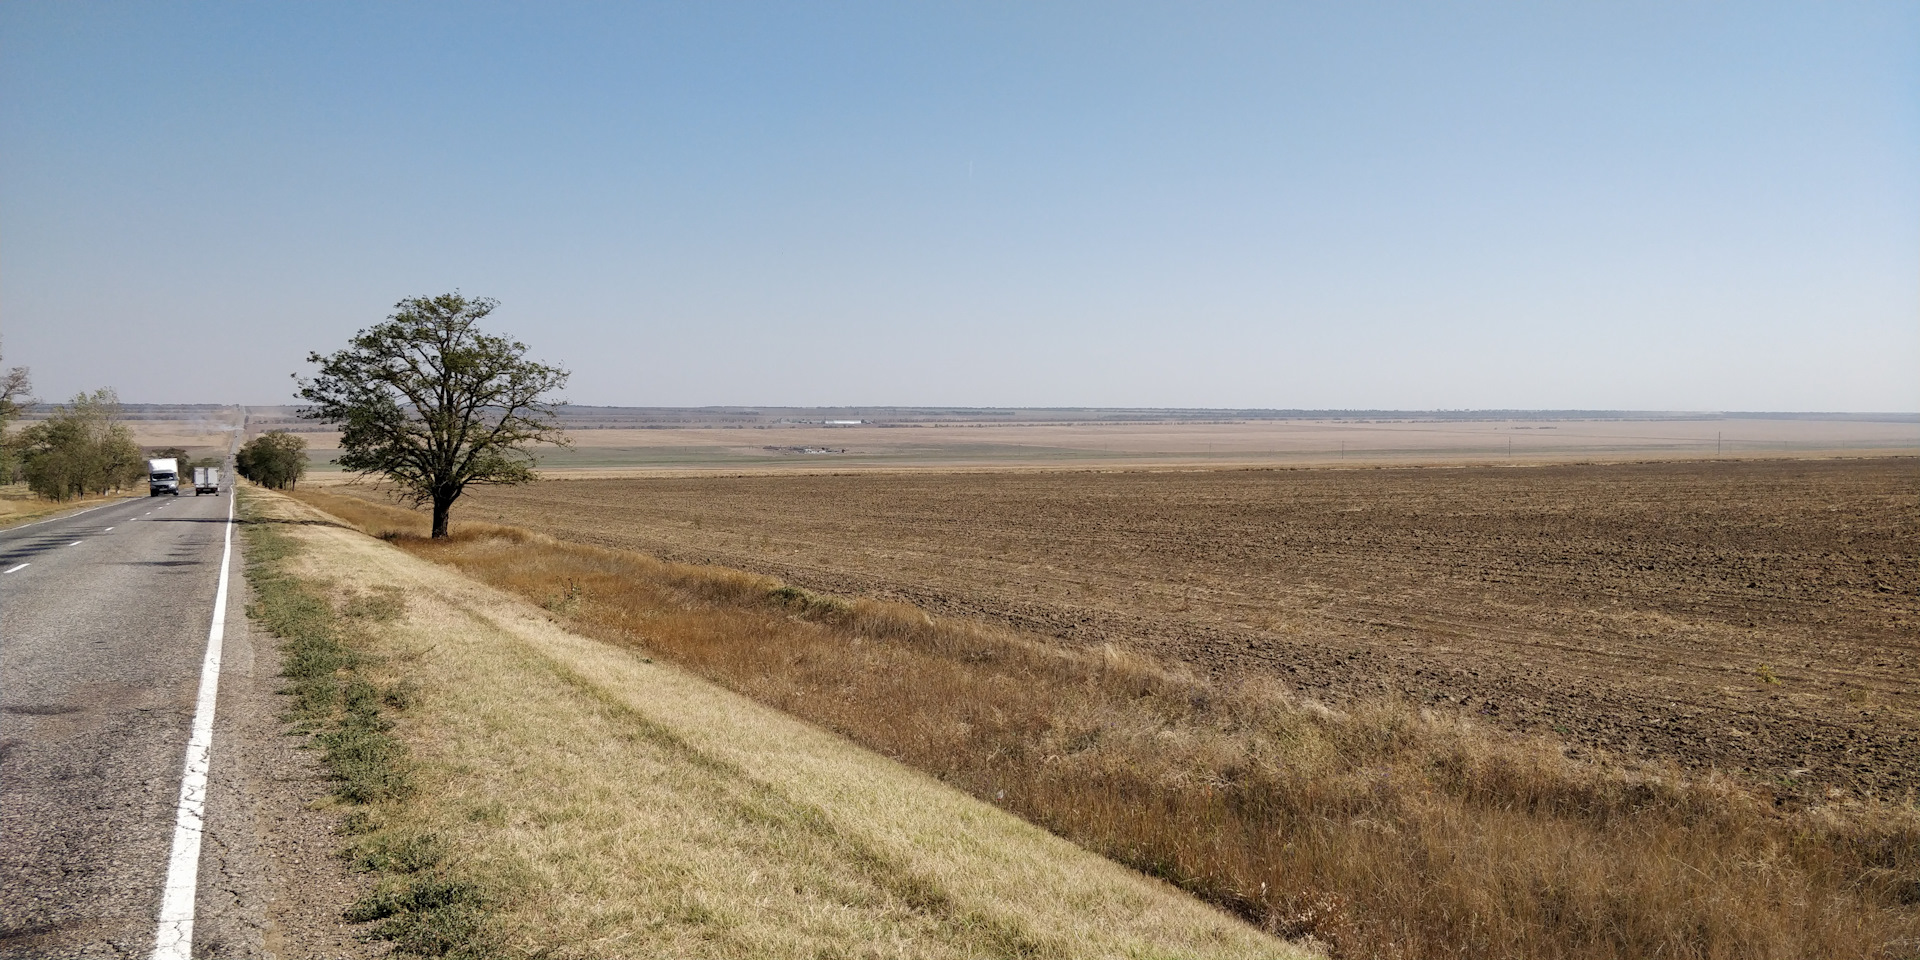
{"points": [[620, 443], [1753, 616]]}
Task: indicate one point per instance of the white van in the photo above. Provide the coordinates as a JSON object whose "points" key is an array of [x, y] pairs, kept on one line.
{"points": [[163, 476]]}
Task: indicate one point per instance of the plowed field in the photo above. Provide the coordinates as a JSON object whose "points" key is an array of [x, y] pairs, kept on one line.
{"points": [[1754, 616]]}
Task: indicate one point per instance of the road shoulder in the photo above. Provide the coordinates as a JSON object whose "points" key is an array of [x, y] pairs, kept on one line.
{"points": [[272, 880], [16, 512]]}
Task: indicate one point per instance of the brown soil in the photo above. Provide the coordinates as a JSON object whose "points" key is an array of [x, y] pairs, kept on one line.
{"points": [[1756, 616]]}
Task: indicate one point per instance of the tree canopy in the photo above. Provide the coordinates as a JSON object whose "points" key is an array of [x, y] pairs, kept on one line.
{"points": [[275, 459], [16, 387], [433, 404]]}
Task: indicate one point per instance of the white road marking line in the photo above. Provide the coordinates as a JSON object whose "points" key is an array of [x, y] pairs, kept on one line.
{"points": [[75, 543], [107, 530], [20, 567], [174, 940]]}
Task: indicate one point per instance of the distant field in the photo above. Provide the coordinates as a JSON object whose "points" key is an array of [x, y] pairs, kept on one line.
{"points": [[203, 430], [1754, 621], [611, 447], [611, 442], [1761, 615]]}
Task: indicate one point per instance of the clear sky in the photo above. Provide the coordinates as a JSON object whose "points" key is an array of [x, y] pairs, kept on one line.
{"points": [[1660, 205]]}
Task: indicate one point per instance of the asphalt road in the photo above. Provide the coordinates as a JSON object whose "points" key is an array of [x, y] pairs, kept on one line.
{"points": [[104, 617]]}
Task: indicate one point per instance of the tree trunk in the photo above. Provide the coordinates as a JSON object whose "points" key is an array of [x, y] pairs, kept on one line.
{"points": [[442, 503]]}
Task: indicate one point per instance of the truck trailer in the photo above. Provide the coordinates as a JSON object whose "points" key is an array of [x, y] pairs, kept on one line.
{"points": [[206, 480], [163, 476]]}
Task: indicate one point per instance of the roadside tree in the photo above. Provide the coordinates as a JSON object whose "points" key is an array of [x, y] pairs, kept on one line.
{"points": [[434, 405], [275, 459], [16, 387], [81, 449]]}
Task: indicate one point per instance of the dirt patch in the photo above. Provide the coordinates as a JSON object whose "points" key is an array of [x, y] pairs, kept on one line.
{"points": [[1756, 616]]}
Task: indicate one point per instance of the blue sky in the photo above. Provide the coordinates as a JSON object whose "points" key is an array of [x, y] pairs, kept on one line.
{"points": [[1704, 206]]}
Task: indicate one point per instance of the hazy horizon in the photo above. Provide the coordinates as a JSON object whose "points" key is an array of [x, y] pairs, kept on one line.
{"points": [[578, 409], [1243, 206]]}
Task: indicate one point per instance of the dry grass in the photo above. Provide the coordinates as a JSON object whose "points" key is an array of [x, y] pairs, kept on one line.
{"points": [[1384, 830], [601, 805], [1625, 608], [19, 505]]}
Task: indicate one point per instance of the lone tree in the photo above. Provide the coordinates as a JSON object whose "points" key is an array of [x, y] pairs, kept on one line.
{"points": [[434, 405]]}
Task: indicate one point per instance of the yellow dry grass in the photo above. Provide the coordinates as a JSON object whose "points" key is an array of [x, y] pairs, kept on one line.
{"points": [[1381, 831], [18, 505], [615, 807]]}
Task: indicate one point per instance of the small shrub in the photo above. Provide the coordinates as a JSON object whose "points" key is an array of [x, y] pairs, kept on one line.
{"points": [[399, 853], [806, 603], [428, 915]]}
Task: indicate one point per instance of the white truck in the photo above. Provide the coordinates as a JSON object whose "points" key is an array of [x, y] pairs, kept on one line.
{"points": [[206, 480], [163, 476]]}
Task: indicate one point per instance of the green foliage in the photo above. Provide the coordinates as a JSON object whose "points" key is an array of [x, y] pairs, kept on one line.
{"points": [[177, 453], [275, 459], [330, 699], [81, 449], [809, 604], [428, 915], [16, 387], [434, 405], [187, 460]]}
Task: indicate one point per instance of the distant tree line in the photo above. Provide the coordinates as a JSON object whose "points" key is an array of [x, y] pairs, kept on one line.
{"points": [[187, 460], [275, 459], [79, 449]]}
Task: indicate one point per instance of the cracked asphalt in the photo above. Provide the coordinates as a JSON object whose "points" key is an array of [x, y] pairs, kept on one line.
{"points": [[103, 625]]}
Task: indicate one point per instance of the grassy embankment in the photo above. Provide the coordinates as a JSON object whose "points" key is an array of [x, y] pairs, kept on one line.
{"points": [[19, 505], [1382, 830], [523, 790]]}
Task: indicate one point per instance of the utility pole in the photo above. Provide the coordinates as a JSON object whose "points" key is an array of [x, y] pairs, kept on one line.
{"points": [[1716, 443]]}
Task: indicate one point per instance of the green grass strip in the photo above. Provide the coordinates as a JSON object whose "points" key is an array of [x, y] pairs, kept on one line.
{"points": [[419, 902]]}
